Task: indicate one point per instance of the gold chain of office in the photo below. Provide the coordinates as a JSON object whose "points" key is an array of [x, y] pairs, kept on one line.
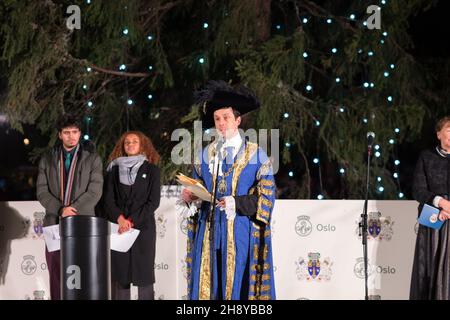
{"points": [[223, 182]]}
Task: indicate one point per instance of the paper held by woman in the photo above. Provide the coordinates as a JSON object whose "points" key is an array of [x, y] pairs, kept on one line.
{"points": [[194, 186]]}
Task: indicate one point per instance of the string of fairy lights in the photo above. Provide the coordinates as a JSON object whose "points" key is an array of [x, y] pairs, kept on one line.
{"points": [[367, 85], [129, 100], [309, 89]]}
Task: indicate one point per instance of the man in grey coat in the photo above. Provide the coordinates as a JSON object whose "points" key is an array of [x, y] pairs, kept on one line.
{"points": [[69, 183]]}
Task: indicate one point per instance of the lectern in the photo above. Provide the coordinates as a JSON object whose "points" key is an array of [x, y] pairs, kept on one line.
{"points": [[85, 258]]}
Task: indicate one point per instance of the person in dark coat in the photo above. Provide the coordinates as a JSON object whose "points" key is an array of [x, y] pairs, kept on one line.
{"points": [[69, 183], [131, 196], [431, 267]]}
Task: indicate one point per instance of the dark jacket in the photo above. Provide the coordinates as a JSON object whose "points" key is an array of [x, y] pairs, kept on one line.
{"points": [[431, 266], [86, 190], [137, 265], [431, 177]]}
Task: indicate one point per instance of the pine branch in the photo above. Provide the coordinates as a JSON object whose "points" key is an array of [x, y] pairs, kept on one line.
{"points": [[119, 73], [320, 12]]}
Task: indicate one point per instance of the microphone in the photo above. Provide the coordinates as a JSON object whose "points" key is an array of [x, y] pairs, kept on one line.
{"points": [[220, 142], [370, 137]]}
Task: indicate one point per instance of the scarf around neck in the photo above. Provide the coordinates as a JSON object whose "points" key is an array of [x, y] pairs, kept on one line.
{"points": [[66, 182], [128, 168]]}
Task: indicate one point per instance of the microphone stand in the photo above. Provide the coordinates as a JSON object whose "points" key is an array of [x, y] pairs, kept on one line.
{"points": [[212, 225], [363, 224]]}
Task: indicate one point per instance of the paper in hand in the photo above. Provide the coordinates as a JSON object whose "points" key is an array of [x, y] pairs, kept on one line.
{"points": [[122, 242], [194, 186], [51, 237]]}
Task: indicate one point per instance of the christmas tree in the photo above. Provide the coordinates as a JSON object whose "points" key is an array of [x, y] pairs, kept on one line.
{"points": [[325, 77]]}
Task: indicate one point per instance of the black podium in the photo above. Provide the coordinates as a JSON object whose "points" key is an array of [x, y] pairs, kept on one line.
{"points": [[85, 258]]}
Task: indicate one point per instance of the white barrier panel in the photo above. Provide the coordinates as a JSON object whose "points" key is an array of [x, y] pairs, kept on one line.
{"points": [[318, 253], [316, 248]]}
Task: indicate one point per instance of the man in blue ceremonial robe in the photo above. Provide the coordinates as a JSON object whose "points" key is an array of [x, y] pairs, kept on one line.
{"points": [[245, 192]]}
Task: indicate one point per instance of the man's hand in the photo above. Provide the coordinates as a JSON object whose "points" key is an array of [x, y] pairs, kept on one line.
{"points": [[228, 204], [69, 211], [444, 215], [124, 224], [221, 204], [188, 196]]}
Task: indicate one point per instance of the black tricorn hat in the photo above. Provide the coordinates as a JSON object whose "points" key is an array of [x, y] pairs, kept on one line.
{"points": [[219, 94]]}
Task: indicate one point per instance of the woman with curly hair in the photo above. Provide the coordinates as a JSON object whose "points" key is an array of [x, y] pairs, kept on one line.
{"points": [[131, 196]]}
